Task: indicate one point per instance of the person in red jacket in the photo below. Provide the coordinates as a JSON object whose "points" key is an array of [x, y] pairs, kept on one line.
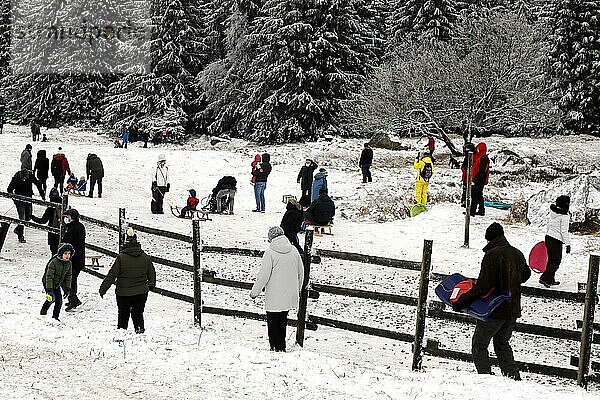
{"points": [[481, 174], [192, 202], [254, 163], [59, 169]]}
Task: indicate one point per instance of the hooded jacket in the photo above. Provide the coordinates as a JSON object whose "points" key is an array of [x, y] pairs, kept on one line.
{"points": [[419, 164], [503, 267], [305, 176], [75, 235], [132, 270], [291, 223], [481, 165], [366, 157], [94, 167], [42, 165], [26, 159], [558, 224], [58, 273], [64, 163], [319, 182], [263, 169], [322, 209], [281, 275]]}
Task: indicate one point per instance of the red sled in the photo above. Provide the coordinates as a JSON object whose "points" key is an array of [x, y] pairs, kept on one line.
{"points": [[455, 285], [538, 258]]}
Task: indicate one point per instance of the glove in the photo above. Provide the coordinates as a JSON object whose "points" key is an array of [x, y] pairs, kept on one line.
{"points": [[67, 292], [568, 249], [168, 187], [49, 297]]}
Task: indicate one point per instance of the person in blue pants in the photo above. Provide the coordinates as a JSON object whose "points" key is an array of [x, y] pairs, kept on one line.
{"points": [[261, 171]]}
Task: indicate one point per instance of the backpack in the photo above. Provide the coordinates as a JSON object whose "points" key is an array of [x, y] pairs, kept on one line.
{"points": [[56, 167], [426, 172]]}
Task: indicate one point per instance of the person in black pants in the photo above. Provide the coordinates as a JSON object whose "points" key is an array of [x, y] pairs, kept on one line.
{"points": [[366, 159], [557, 235], [134, 275], [21, 184], [57, 274], [49, 217], [481, 172], [305, 177], [75, 235], [291, 223]]}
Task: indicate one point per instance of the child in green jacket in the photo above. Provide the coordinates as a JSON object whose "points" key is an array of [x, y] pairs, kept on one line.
{"points": [[58, 274]]}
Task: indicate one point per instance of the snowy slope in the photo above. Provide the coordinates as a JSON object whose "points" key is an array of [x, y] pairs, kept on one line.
{"points": [[230, 360]]}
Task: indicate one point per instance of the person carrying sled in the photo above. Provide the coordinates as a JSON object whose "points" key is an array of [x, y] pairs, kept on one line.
{"points": [[134, 276], [281, 276], [321, 211], [481, 174], [424, 166], [305, 177], [291, 223], [59, 167], [503, 267], [556, 235], [192, 202], [319, 183], [75, 235], [49, 217], [366, 159], [160, 185], [21, 184], [41, 168], [57, 275]]}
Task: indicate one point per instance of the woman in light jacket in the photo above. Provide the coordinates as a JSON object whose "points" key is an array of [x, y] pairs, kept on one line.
{"points": [[281, 276], [557, 235]]}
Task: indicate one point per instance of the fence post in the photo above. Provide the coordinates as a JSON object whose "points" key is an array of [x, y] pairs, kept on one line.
{"points": [[468, 198], [3, 232], [308, 242], [587, 330], [64, 206], [197, 250], [422, 305], [122, 228]]}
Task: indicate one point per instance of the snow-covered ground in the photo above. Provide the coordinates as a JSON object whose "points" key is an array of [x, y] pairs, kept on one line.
{"points": [[84, 356]]}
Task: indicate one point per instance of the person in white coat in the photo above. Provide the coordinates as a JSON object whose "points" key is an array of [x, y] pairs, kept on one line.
{"points": [[556, 236], [160, 185], [281, 276]]}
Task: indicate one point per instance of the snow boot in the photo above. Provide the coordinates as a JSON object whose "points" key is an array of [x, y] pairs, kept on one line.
{"points": [[22, 239], [545, 283], [139, 330], [74, 304]]}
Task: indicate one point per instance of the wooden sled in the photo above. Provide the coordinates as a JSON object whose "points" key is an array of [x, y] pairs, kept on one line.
{"points": [[319, 230], [286, 197], [200, 214]]}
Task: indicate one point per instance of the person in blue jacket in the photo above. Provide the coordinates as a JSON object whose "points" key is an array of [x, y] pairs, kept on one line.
{"points": [[319, 182]]}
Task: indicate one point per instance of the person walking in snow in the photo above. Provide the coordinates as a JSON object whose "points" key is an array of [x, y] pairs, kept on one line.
{"points": [[125, 137], [59, 168], [503, 267], [21, 184], [57, 275], [281, 276], [319, 183], [424, 166], [261, 172], [35, 131], [74, 235], [26, 158], [481, 174], [41, 168], [160, 185], [305, 177], [556, 235], [366, 159], [134, 276], [95, 173], [291, 223], [49, 217]]}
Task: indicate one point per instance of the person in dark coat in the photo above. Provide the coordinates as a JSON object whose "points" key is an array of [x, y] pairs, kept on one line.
{"points": [[366, 159], [305, 177], [133, 275], [481, 173], [321, 211], [503, 267], [21, 184], [75, 235], [57, 275], [261, 172], [145, 136], [95, 173], [49, 217], [291, 223], [26, 158], [224, 194], [41, 168], [35, 131]]}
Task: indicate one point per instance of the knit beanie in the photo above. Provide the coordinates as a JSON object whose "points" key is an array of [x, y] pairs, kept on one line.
{"points": [[493, 231], [563, 202], [130, 234], [274, 232]]}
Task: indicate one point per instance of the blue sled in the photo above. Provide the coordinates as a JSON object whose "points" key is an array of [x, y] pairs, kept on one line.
{"points": [[498, 205], [480, 308]]}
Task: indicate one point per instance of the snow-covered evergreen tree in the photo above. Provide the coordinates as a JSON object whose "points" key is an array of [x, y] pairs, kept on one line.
{"points": [[432, 19], [216, 14], [575, 64]]}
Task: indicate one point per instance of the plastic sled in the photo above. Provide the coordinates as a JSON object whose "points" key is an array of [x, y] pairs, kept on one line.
{"points": [[480, 308], [413, 210], [498, 205], [538, 258]]}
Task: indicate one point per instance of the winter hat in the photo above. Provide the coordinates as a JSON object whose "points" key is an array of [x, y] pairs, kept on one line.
{"points": [[63, 248], [323, 190], [192, 192], [162, 157], [274, 232], [73, 213], [563, 202], [493, 231], [130, 234], [54, 195], [28, 147]]}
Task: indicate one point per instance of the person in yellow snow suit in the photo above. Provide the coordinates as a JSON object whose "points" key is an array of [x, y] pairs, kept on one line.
{"points": [[424, 167]]}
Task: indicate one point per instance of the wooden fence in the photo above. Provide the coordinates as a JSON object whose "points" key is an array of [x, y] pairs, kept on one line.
{"points": [[425, 308]]}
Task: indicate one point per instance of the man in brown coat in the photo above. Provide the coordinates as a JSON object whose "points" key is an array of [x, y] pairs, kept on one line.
{"points": [[503, 267]]}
